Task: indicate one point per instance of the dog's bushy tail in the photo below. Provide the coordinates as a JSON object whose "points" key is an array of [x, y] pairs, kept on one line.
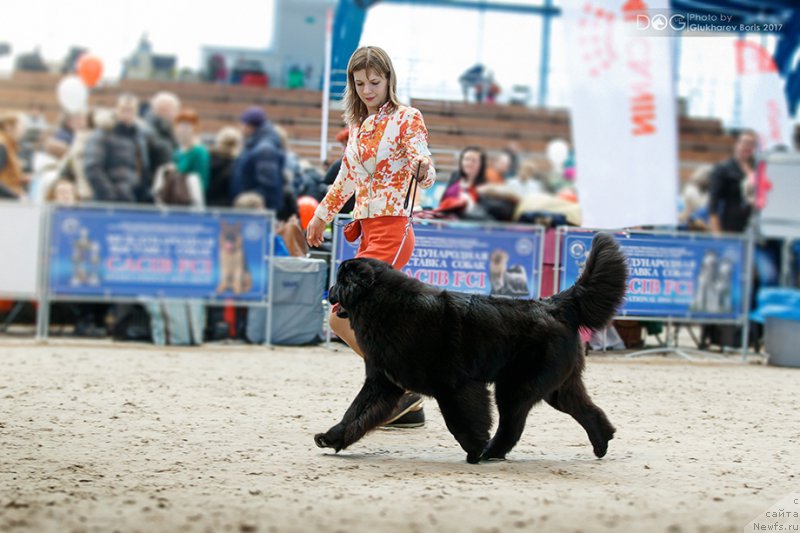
{"points": [[600, 290]]}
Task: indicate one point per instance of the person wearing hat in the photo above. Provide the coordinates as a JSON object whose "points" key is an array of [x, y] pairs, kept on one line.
{"points": [[259, 168]]}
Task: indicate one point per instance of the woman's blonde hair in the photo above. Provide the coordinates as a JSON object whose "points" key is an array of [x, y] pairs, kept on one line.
{"points": [[228, 141], [249, 200], [51, 191], [369, 58]]}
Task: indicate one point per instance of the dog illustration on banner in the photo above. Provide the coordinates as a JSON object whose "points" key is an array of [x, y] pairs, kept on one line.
{"points": [[713, 285], [506, 281], [85, 260], [234, 275]]}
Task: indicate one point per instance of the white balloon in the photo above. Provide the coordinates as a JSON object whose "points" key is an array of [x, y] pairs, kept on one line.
{"points": [[72, 94], [557, 152]]}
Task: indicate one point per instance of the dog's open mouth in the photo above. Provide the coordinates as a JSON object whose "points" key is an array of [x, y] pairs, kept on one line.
{"points": [[338, 311]]}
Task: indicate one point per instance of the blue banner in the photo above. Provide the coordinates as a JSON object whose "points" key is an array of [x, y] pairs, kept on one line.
{"points": [[677, 276], [118, 252], [493, 260]]}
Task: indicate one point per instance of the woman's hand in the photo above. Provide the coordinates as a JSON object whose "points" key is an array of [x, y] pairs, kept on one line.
{"points": [[314, 231], [424, 163]]}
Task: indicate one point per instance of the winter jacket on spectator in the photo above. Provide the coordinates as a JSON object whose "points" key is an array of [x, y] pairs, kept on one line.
{"points": [[726, 197], [116, 164], [161, 143], [259, 168], [221, 169], [195, 160]]}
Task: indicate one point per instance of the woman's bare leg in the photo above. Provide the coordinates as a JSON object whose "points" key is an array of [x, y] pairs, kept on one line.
{"points": [[341, 326]]}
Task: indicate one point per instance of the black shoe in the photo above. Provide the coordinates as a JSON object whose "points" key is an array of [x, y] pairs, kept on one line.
{"points": [[412, 419], [407, 413]]}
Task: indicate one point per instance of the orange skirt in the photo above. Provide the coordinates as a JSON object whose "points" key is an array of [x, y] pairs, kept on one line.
{"points": [[381, 237]]}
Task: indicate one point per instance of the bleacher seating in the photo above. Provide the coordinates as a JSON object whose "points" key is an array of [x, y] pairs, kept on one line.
{"points": [[452, 125]]}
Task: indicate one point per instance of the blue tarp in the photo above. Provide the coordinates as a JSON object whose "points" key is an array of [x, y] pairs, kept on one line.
{"points": [[777, 302]]}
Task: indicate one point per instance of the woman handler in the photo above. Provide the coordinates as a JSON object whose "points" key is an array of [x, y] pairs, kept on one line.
{"points": [[387, 145]]}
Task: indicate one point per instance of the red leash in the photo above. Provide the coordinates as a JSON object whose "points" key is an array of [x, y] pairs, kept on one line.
{"points": [[413, 184]]}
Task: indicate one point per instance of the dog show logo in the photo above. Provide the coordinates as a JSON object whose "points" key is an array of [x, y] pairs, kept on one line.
{"points": [[253, 231], [70, 226], [524, 246], [577, 250], [661, 22], [670, 23]]}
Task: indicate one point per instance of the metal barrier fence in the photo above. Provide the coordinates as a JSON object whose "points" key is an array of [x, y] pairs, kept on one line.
{"points": [[675, 277], [136, 254], [120, 253]]}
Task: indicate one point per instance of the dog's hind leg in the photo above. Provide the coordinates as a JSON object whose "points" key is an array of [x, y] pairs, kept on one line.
{"points": [[514, 401], [571, 398], [467, 415], [371, 407]]}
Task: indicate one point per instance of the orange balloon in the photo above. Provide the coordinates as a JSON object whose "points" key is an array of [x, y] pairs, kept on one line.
{"points": [[568, 195], [89, 68], [306, 205]]}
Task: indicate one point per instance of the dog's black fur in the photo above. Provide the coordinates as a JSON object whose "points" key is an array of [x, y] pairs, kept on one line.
{"points": [[450, 345]]}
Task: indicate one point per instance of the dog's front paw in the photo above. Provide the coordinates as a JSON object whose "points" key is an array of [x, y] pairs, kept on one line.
{"points": [[473, 458], [333, 438], [321, 442]]}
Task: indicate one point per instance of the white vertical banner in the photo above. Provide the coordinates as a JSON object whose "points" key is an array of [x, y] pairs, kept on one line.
{"points": [[764, 106], [326, 86], [20, 246], [623, 112]]}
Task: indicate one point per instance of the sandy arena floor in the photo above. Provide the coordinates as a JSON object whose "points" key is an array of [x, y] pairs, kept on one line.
{"points": [[102, 437]]}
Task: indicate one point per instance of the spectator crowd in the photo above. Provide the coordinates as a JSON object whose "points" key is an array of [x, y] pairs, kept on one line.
{"points": [[153, 153], [117, 155]]}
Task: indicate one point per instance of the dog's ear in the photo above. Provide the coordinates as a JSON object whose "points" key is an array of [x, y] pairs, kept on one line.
{"points": [[355, 278], [368, 272]]}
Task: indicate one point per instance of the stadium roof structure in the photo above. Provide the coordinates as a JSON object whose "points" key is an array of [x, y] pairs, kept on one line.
{"points": [[351, 14]]}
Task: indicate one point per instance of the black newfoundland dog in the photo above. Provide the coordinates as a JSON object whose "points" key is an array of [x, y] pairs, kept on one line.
{"points": [[451, 345]]}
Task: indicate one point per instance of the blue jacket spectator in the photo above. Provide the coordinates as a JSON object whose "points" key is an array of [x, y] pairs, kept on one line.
{"points": [[259, 168]]}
